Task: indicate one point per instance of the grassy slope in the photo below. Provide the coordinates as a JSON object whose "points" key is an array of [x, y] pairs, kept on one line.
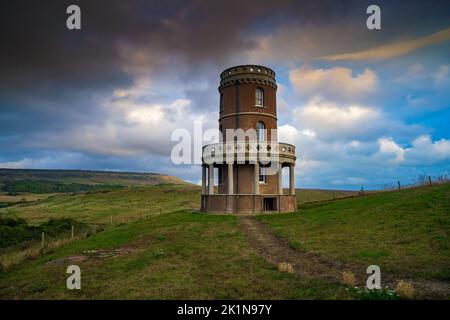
{"points": [[313, 195], [99, 206], [204, 257], [404, 232]]}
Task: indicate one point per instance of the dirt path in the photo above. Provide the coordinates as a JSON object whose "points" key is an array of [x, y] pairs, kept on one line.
{"points": [[309, 265]]}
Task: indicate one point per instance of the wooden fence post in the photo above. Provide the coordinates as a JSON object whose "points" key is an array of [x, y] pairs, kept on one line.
{"points": [[72, 231], [43, 240]]}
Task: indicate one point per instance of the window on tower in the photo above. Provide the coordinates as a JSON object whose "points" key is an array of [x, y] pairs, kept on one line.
{"points": [[221, 102], [260, 131], [259, 97]]}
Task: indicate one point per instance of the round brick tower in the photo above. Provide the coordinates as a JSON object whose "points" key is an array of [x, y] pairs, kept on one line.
{"points": [[249, 159]]}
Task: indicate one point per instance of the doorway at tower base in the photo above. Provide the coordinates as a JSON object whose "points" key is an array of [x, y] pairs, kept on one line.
{"points": [[248, 203]]}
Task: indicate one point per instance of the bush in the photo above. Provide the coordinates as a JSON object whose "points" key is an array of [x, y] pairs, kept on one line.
{"points": [[17, 231]]}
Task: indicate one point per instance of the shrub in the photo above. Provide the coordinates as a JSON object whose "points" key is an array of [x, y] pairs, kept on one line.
{"points": [[16, 231]]}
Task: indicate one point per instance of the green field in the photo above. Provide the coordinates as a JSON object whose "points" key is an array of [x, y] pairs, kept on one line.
{"points": [[165, 249]]}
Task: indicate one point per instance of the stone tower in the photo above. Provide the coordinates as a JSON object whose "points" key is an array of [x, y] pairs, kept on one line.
{"points": [[248, 159]]}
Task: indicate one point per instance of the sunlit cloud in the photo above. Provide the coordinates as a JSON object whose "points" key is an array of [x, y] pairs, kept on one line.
{"points": [[336, 83], [393, 50]]}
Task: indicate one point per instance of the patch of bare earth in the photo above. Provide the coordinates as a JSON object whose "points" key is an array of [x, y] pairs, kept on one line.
{"points": [[92, 254], [309, 265]]}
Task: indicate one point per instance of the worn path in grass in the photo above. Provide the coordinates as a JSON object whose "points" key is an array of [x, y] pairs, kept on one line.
{"points": [[308, 265]]}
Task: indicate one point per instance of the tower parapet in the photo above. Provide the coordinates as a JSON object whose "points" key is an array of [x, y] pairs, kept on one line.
{"points": [[247, 74]]}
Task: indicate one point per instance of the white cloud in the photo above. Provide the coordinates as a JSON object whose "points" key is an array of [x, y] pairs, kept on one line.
{"points": [[133, 125], [329, 120], [153, 114], [424, 150], [287, 133], [334, 83], [388, 146]]}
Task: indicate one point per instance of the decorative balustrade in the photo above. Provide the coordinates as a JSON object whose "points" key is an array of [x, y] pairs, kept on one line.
{"points": [[242, 152]]}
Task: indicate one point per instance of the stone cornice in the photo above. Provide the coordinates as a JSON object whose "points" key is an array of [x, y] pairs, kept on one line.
{"points": [[248, 113]]}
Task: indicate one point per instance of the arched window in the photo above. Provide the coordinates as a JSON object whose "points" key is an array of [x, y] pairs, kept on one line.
{"points": [[259, 97], [260, 131], [221, 102]]}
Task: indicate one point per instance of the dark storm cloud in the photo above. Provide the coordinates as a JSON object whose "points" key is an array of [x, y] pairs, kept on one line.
{"points": [[50, 75], [38, 47]]}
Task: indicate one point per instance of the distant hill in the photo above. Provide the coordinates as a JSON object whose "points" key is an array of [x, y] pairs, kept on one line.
{"points": [[49, 181]]}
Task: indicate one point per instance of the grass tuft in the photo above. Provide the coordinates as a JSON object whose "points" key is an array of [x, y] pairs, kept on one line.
{"points": [[405, 289], [285, 267], [348, 278]]}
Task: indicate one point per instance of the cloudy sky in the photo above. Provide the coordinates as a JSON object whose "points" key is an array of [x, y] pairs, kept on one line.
{"points": [[364, 107]]}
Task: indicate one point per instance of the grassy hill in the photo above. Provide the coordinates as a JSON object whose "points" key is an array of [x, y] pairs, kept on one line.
{"points": [[158, 246], [25, 185], [50, 181]]}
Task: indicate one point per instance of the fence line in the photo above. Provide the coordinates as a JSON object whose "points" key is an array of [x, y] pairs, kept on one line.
{"points": [[422, 180]]}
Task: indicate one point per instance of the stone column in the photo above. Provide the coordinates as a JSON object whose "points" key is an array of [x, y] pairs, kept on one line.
{"points": [[230, 178], [204, 191], [280, 179], [256, 179], [291, 180], [211, 179]]}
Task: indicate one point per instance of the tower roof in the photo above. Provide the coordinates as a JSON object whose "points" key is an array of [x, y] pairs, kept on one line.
{"points": [[247, 74]]}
